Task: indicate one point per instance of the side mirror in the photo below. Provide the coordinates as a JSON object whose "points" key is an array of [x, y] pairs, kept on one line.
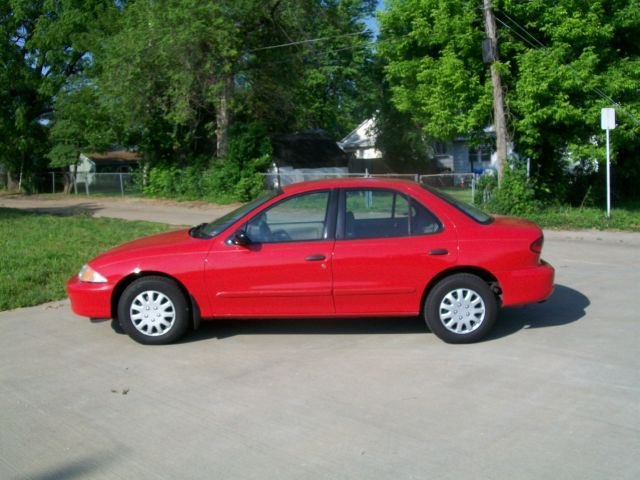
{"points": [[240, 239]]}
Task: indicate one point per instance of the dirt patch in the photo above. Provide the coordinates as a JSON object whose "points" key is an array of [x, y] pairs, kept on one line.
{"points": [[167, 211]]}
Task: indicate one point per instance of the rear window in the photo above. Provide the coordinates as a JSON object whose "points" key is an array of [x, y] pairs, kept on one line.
{"points": [[469, 210]]}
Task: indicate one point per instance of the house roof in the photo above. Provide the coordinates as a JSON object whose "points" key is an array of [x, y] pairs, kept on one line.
{"points": [[119, 156], [363, 136], [308, 149]]}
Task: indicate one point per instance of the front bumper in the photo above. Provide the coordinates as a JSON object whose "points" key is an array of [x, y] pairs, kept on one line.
{"points": [[529, 285], [90, 299]]}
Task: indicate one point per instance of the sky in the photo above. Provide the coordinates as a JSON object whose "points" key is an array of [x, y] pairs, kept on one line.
{"points": [[372, 23]]}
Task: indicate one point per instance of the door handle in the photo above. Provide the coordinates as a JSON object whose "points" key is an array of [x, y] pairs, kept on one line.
{"points": [[315, 258], [439, 251]]}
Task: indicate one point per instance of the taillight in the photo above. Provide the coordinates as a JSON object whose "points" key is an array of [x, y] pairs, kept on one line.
{"points": [[536, 247]]}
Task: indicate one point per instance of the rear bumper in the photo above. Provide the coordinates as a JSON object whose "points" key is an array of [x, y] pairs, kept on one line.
{"points": [[529, 285], [90, 299]]}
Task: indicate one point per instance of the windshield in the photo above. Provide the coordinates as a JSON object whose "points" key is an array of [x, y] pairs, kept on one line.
{"points": [[469, 210], [209, 230]]}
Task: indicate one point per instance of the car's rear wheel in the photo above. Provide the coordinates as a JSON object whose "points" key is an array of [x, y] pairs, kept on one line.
{"points": [[460, 308], [153, 311]]}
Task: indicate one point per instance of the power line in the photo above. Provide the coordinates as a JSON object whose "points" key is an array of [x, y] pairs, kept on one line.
{"points": [[311, 40], [318, 53]]}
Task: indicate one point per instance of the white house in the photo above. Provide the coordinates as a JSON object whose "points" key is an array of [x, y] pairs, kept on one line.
{"points": [[454, 156], [361, 142]]}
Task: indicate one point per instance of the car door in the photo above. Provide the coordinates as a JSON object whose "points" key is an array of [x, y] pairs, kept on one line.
{"points": [[388, 247], [284, 269]]}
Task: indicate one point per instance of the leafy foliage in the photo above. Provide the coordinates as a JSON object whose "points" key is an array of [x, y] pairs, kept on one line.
{"points": [[236, 178], [431, 48], [81, 124], [176, 69], [42, 45], [171, 78], [554, 73], [516, 195]]}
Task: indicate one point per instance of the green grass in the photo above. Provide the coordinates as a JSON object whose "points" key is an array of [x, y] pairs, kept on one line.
{"points": [[570, 218], [39, 252]]}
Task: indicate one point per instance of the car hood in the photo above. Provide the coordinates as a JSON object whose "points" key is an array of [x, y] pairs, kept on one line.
{"points": [[154, 245]]}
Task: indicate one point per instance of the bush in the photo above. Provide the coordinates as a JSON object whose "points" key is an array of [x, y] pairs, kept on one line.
{"points": [[227, 181], [485, 187], [516, 195], [234, 178]]}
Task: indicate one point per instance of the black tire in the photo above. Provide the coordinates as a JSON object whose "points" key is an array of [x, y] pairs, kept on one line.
{"points": [[460, 309], [153, 311]]}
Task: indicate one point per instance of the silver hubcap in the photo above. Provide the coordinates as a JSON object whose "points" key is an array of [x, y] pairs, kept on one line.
{"points": [[152, 313], [462, 310]]}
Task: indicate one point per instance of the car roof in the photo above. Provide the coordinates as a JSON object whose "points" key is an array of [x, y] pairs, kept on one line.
{"points": [[352, 182]]}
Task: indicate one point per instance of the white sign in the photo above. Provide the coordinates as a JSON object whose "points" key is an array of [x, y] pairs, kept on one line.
{"points": [[608, 118]]}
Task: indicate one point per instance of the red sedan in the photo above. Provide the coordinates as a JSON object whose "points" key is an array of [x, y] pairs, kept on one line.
{"points": [[331, 248]]}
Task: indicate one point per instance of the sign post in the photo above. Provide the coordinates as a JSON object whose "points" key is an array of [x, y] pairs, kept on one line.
{"points": [[608, 123]]}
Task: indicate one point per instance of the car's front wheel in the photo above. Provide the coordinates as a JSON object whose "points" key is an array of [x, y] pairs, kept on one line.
{"points": [[460, 308], [153, 311]]}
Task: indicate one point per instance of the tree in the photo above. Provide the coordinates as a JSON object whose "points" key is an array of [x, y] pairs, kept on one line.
{"points": [[556, 59], [434, 66], [42, 45], [557, 90], [80, 124], [170, 78], [181, 70]]}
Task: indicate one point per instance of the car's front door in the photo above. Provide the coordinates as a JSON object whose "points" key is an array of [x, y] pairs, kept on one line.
{"points": [[387, 249], [284, 269]]}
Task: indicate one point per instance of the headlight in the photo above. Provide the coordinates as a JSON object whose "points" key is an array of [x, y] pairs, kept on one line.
{"points": [[88, 274]]}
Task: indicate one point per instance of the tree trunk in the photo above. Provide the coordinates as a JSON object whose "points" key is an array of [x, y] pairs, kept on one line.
{"points": [[499, 121], [67, 183], [69, 179], [12, 181], [222, 117]]}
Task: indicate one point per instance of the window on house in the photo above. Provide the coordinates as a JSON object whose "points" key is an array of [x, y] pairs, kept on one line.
{"points": [[480, 155]]}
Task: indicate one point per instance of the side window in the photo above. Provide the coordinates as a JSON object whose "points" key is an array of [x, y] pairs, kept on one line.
{"points": [[376, 214], [423, 221], [385, 214], [300, 218]]}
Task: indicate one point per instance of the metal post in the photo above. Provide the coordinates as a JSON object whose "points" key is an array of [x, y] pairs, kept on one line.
{"points": [[608, 122], [53, 182], [473, 189], [608, 177], [121, 185]]}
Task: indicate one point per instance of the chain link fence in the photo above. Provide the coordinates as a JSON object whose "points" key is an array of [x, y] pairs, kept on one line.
{"points": [[460, 185], [121, 183]]}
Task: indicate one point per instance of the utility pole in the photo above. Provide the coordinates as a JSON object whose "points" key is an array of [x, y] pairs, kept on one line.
{"points": [[499, 121]]}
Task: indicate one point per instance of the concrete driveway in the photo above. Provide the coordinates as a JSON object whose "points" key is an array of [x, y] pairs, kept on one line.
{"points": [[554, 393]]}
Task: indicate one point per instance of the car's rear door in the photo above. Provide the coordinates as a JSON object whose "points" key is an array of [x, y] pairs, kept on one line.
{"points": [[388, 247]]}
